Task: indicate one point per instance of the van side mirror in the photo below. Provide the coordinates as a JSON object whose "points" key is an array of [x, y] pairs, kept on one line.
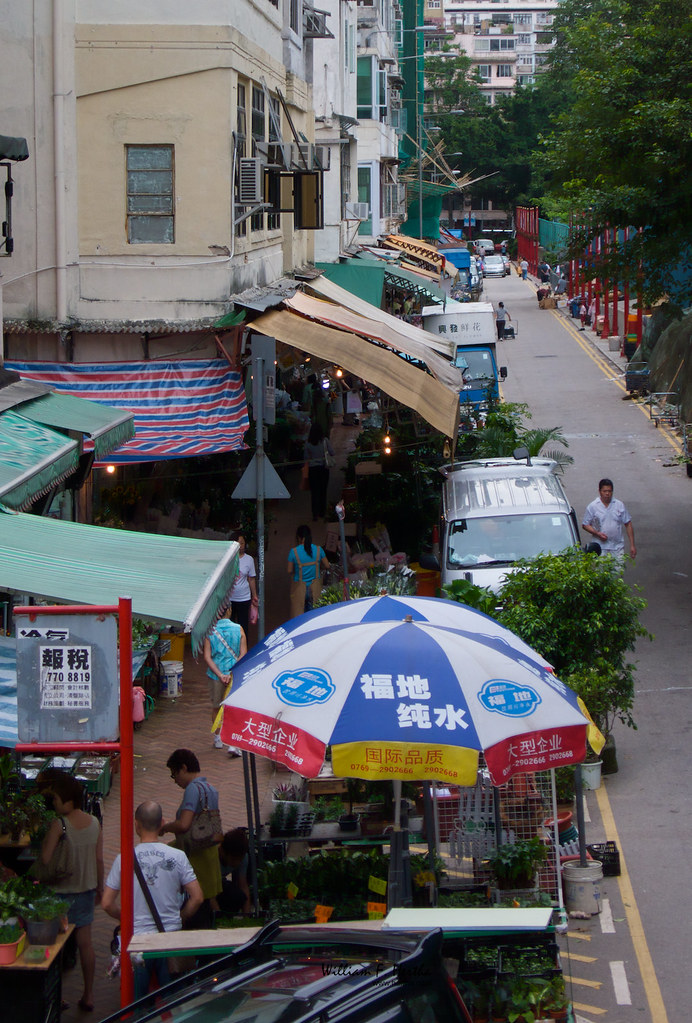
{"points": [[503, 372], [521, 453], [429, 562]]}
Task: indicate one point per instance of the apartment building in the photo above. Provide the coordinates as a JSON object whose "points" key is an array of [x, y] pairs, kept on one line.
{"points": [[508, 41], [140, 212]]}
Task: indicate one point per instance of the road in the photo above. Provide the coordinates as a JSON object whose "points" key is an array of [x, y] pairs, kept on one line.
{"points": [[639, 947]]}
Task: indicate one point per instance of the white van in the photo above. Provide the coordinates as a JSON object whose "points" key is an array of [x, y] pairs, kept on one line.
{"points": [[498, 511]]}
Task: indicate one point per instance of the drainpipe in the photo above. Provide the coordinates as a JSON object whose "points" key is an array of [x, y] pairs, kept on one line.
{"points": [[59, 158]]}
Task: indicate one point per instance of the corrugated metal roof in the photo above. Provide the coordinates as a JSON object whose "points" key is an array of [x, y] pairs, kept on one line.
{"points": [[32, 459]]}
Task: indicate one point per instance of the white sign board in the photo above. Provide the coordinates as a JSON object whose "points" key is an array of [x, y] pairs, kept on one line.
{"points": [[67, 678]]}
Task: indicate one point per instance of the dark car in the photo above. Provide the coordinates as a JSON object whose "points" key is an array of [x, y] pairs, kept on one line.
{"points": [[311, 974]]}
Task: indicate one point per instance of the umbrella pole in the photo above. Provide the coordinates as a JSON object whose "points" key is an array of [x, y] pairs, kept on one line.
{"points": [[498, 816], [429, 824], [581, 828], [556, 839], [253, 842]]}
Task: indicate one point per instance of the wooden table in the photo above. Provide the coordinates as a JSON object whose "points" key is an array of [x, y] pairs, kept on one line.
{"points": [[32, 992]]}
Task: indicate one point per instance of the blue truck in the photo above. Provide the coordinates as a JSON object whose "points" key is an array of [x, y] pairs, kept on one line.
{"points": [[471, 325]]}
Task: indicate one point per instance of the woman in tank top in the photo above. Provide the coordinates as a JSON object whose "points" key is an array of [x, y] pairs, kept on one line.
{"points": [[84, 887]]}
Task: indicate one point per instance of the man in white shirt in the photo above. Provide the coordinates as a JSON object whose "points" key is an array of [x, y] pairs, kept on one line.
{"points": [[169, 877], [606, 518]]}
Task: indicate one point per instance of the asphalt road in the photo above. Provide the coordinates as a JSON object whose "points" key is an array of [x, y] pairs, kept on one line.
{"points": [[639, 947]]}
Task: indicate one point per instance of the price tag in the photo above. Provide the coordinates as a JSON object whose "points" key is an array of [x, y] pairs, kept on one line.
{"points": [[322, 913], [376, 910], [291, 890], [376, 884]]}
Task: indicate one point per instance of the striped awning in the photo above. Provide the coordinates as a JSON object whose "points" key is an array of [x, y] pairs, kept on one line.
{"points": [[33, 459], [181, 409], [171, 579]]}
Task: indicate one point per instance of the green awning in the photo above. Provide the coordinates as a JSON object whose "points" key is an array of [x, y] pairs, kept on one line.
{"points": [[172, 579], [32, 459], [401, 276], [361, 278], [106, 427]]}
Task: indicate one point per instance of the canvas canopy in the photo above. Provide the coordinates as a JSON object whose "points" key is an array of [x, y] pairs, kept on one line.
{"points": [[172, 579]]}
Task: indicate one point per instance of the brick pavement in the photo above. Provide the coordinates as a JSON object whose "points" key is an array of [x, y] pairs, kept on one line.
{"points": [[185, 722]]}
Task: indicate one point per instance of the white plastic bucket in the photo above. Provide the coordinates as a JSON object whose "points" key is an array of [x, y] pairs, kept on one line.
{"points": [[591, 774], [172, 685], [583, 887]]}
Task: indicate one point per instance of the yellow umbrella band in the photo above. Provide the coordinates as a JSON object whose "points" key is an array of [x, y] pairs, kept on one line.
{"points": [[400, 760]]}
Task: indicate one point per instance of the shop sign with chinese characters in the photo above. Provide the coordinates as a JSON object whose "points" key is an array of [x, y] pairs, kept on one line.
{"points": [[67, 678]]}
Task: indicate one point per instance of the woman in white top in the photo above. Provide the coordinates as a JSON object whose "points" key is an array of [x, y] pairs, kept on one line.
{"points": [[244, 592]]}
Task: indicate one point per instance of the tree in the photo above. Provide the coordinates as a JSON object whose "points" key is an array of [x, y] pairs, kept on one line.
{"points": [[579, 613], [620, 153]]}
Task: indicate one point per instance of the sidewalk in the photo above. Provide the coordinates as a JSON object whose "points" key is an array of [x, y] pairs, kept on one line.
{"points": [[186, 722]]}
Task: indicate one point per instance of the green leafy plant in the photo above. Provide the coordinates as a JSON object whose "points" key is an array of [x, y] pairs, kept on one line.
{"points": [[288, 792], [328, 808], [480, 597], [46, 905], [12, 898], [525, 1000], [514, 864], [579, 613], [9, 933]]}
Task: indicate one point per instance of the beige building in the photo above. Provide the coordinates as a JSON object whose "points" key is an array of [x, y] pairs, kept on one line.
{"points": [[127, 217]]}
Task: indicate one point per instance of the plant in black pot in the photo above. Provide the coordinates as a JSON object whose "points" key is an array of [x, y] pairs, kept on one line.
{"points": [[354, 790], [514, 865], [43, 915]]}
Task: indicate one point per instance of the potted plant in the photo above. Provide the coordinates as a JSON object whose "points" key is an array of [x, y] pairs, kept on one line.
{"points": [[525, 1001], [349, 821], [291, 792], [11, 937], [42, 915], [514, 865], [327, 814], [554, 1000]]}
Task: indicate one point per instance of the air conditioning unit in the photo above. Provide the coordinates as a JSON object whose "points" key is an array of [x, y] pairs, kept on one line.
{"points": [[357, 211], [307, 156], [251, 181]]}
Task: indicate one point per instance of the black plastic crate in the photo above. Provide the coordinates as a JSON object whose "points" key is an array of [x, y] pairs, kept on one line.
{"points": [[608, 856]]}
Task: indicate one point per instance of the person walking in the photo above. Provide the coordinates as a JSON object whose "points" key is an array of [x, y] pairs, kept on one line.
{"points": [[524, 267], [169, 878], [226, 644], [501, 317], [233, 855], [84, 887], [319, 455], [198, 796], [607, 520], [244, 592], [305, 562]]}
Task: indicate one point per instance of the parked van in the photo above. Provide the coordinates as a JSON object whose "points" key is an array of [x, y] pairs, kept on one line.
{"points": [[498, 511]]}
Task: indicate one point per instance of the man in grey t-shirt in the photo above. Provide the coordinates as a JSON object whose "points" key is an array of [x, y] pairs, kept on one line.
{"points": [[169, 876]]}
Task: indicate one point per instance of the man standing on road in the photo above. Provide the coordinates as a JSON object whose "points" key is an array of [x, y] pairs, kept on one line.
{"points": [[501, 317], [524, 267], [167, 873], [606, 518]]}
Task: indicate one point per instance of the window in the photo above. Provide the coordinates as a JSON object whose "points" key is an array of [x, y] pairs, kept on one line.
{"points": [[241, 143], [522, 19], [345, 162], [501, 44], [150, 214], [504, 70], [364, 88], [258, 128], [294, 15], [365, 195], [485, 70], [274, 219], [524, 38]]}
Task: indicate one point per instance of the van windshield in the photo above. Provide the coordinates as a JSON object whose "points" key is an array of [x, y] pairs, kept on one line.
{"points": [[476, 365], [503, 539]]}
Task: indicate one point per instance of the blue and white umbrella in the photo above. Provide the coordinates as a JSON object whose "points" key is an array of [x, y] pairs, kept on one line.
{"points": [[402, 688]]}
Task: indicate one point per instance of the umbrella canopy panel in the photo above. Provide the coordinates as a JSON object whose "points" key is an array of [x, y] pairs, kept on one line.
{"points": [[404, 699]]}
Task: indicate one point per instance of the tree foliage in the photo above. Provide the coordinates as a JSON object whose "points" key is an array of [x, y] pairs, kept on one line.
{"points": [[620, 153], [578, 612]]}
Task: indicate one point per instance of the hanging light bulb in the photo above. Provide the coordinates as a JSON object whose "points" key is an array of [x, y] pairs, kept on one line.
{"points": [[338, 372], [387, 450], [387, 439], [110, 469]]}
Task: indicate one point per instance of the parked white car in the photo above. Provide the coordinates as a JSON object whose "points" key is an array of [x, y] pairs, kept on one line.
{"points": [[493, 266]]}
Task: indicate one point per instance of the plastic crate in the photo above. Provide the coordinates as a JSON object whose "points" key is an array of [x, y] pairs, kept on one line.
{"points": [[607, 854]]}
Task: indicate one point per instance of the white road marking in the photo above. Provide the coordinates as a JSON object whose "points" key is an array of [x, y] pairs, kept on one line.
{"points": [[606, 918], [620, 985], [587, 815]]}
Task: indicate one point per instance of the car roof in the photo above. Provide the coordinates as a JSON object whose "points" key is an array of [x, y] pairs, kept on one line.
{"points": [[284, 973], [503, 487]]}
